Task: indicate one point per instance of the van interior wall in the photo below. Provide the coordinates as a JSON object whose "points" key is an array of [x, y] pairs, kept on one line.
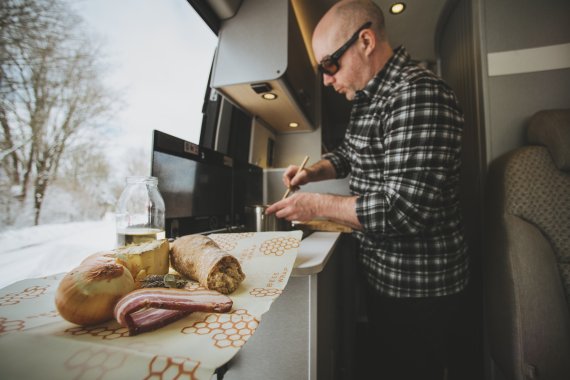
{"points": [[517, 30], [291, 148], [498, 105], [458, 54], [512, 98]]}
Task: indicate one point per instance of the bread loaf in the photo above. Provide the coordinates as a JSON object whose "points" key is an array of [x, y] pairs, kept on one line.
{"points": [[199, 258]]}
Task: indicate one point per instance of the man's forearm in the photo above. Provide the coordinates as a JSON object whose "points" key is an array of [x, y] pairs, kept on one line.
{"points": [[321, 170], [341, 209], [338, 208]]}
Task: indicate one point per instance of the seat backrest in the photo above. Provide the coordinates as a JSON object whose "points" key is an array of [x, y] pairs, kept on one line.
{"points": [[550, 209], [527, 260], [539, 193]]}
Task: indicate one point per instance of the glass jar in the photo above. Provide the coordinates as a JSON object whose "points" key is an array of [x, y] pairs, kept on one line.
{"points": [[140, 212]]}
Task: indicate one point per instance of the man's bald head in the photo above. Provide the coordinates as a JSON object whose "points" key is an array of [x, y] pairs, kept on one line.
{"points": [[341, 20], [365, 54]]}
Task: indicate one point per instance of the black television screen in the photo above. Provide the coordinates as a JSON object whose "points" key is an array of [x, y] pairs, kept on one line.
{"points": [[195, 183], [192, 188]]}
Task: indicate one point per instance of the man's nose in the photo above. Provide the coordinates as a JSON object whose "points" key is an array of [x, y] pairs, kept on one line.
{"points": [[328, 79]]}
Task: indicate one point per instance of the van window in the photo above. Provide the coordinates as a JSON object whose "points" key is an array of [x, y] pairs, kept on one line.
{"points": [[84, 83], [164, 52]]}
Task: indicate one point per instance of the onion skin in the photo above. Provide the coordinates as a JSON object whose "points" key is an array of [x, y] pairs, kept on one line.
{"points": [[87, 295], [100, 257]]}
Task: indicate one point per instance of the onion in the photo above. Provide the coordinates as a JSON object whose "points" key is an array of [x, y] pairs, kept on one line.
{"points": [[101, 257], [87, 295]]}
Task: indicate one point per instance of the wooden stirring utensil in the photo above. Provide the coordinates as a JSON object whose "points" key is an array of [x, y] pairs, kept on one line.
{"points": [[298, 171]]}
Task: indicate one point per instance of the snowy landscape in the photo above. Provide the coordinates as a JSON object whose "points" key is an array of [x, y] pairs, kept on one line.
{"points": [[59, 186], [51, 248]]}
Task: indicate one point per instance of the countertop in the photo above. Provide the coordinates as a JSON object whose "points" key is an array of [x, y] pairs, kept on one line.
{"points": [[314, 253]]}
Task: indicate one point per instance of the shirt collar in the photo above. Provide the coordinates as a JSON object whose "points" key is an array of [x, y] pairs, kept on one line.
{"points": [[381, 81]]}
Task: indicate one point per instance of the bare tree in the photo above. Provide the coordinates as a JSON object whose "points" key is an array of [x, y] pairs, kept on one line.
{"points": [[51, 92], [85, 173], [13, 40]]}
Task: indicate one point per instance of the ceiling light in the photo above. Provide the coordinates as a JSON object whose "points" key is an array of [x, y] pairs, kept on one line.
{"points": [[397, 8], [269, 96], [293, 124]]}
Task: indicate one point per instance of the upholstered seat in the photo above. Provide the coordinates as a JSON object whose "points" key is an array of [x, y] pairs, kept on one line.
{"points": [[527, 255]]}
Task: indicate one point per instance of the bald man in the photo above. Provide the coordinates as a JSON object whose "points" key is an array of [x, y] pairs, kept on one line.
{"points": [[402, 151]]}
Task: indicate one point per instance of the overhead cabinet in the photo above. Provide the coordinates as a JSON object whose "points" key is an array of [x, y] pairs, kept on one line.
{"points": [[261, 51]]}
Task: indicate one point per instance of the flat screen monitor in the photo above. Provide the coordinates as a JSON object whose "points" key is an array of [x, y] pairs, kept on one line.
{"points": [[196, 184]]}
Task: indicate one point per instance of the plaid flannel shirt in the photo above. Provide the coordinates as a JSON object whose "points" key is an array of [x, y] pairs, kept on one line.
{"points": [[402, 150]]}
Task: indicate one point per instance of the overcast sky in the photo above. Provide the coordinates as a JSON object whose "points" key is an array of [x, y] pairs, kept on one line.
{"points": [[160, 53]]}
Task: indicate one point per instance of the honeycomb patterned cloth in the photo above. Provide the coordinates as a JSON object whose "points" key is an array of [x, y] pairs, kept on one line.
{"points": [[539, 193], [36, 343]]}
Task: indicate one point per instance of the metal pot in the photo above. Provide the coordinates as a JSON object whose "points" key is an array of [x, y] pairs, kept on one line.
{"points": [[257, 221]]}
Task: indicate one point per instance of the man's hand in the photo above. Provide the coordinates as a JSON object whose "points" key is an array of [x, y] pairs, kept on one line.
{"points": [[293, 178], [320, 171], [299, 207], [303, 207]]}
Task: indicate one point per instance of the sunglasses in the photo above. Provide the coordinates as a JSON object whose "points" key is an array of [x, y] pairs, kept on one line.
{"points": [[329, 64]]}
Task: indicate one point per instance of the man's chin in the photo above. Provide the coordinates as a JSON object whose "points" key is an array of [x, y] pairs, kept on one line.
{"points": [[349, 95]]}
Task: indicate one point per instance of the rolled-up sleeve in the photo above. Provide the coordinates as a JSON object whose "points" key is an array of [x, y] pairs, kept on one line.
{"points": [[339, 158]]}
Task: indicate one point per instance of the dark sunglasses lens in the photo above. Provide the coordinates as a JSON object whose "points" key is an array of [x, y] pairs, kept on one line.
{"points": [[328, 66]]}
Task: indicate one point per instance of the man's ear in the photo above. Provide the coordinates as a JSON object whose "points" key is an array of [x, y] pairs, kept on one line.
{"points": [[368, 41]]}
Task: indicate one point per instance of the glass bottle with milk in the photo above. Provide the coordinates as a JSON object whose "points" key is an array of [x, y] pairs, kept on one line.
{"points": [[140, 211]]}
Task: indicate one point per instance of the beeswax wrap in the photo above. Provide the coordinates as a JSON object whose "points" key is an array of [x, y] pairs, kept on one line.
{"points": [[35, 342]]}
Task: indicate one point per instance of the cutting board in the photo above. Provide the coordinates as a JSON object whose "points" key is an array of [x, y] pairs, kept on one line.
{"points": [[323, 225]]}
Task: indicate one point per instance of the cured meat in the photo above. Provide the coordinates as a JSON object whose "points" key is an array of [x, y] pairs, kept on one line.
{"points": [[146, 320], [199, 258], [145, 310]]}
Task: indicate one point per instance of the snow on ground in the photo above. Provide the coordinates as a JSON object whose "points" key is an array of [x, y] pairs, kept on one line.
{"points": [[52, 248]]}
